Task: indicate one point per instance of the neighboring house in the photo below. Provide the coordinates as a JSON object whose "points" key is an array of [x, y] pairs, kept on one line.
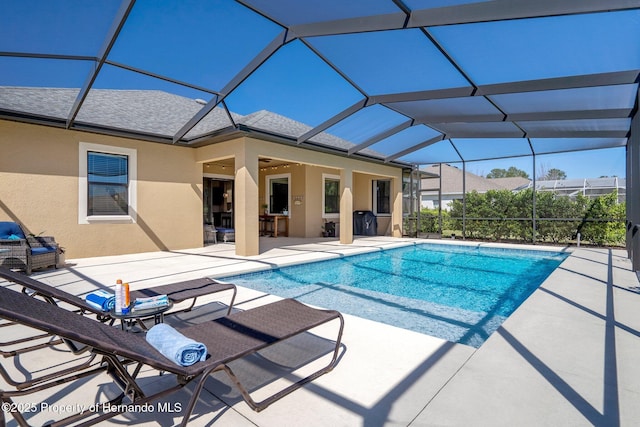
{"points": [[450, 178], [115, 185], [447, 185], [589, 187]]}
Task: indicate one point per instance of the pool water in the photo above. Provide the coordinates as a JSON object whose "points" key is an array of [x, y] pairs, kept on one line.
{"points": [[458, 293]]}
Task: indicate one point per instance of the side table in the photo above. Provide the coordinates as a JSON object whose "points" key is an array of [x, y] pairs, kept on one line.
{"points": [[126, 319]]}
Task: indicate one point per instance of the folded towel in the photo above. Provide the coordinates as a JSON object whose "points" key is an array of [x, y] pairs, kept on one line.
{"points": [[175, 346], [102, 300], [157, 298], [150, 302]]}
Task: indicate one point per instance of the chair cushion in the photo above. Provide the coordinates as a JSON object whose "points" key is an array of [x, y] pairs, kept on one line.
{"points": [[43, 250], [226, 234], [8, 229]]}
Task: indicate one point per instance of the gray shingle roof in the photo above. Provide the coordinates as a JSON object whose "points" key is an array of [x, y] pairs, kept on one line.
{"points": [[452, 181], [147, 111], [592, 183], [152, 112], [48, 102], [275, 123], [512, 183], [278, 124]]}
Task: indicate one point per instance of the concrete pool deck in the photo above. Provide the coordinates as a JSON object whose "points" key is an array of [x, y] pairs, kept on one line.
{"points": [[567, 356]]}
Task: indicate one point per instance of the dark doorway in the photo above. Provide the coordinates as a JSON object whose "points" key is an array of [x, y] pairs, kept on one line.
{"points": [[218, 202], [279, 196]]}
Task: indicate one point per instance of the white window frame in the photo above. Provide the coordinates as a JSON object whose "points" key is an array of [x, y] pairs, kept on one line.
{"points": [[267, 192], [375, 197], [326, 176], [83, 185]]}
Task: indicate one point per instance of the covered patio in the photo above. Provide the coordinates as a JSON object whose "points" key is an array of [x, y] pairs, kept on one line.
{"points": [[566, 356]]}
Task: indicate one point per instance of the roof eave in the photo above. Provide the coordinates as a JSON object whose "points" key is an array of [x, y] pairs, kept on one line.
{"points": [[241, 130]]}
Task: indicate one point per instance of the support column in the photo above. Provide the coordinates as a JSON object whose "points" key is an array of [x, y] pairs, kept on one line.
{"points": [[534, 225], [246, 202], [632, 190], [346, 206], [464, 200], [396, 210]]}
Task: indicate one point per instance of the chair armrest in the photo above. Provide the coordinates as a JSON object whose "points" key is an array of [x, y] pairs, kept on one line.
{"points": [[42, 242], [13, 242], [14, 248]]}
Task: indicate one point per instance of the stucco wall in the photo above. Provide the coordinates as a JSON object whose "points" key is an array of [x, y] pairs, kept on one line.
{"points": [[362, 192], [39, 170], [363, 200], [313, 199], [306, 219], [39, 187], [297, 187]]}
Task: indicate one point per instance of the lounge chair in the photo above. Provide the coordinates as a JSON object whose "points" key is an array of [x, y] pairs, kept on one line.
{"points": [[20, 251], [228, 339], [177, 292]]}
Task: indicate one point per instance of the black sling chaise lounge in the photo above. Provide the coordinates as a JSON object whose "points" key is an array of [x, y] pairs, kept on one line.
{"points": [[227, 339], [177, 292]]}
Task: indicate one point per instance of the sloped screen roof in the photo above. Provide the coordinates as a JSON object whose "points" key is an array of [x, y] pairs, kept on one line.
{"points": [[402, 81]]}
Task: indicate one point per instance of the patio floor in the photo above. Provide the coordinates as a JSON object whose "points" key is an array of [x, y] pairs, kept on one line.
{"points": [[567, 356]]}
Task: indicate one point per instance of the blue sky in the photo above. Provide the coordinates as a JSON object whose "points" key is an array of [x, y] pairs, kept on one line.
{"points": [[579, 164], [206, 43]]}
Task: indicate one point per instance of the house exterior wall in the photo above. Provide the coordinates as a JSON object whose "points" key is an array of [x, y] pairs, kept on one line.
{"points": [[306, 219], [39, 177], [431, 202], [362, 195], [39, 187], [363, 200], [297, 187], [312, 199]]}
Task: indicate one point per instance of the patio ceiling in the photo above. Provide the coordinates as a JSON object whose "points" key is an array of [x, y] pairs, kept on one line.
{"points": [[400, 81]]}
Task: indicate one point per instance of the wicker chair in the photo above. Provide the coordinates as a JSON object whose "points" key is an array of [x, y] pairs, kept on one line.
{"points": [[19, 251], [210, 235]]}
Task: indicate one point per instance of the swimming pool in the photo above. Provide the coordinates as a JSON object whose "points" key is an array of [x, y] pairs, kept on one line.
{"points": [[458, 293]]}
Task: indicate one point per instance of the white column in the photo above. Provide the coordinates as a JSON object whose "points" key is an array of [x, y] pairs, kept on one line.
{"points": [[346, 206], [396, 207], [246, 202]]}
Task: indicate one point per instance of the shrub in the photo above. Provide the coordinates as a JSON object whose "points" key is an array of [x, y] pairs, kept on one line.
{"points": [[502, 214]]}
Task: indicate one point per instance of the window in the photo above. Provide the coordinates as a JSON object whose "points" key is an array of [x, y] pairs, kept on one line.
{"points": [[382, 197], [107, 184], [331, 196], [278, 193]]}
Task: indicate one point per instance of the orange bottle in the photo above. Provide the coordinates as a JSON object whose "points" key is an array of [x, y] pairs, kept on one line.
{"points": [[125, 298]]}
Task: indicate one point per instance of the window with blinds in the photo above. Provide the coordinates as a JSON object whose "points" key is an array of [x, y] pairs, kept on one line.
{"points": [[107, 184]]}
